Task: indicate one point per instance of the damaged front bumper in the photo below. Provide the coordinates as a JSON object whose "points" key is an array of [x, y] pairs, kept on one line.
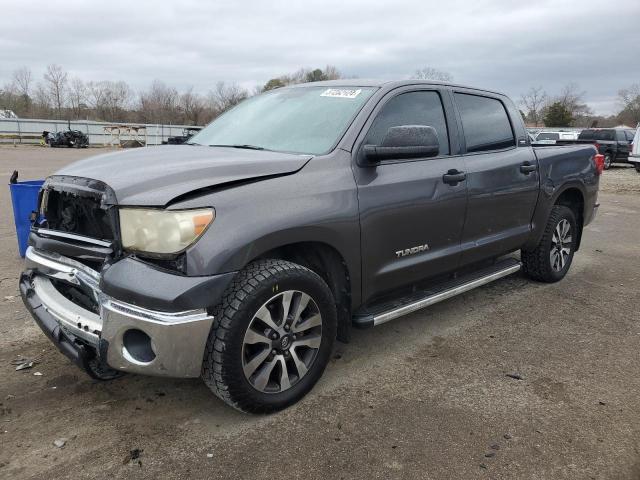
{"points": [[121, 335]]}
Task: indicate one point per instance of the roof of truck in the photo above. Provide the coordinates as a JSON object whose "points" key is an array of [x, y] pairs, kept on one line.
{"points": [[359, 82]]}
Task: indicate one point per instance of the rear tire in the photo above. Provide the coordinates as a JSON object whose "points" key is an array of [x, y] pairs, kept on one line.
{"points": [[637, 165], [608, 160], [551, 259], [258, 358]]}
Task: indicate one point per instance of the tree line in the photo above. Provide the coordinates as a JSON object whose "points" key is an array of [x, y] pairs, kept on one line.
{"points": [[568, 109], [57, 95]]}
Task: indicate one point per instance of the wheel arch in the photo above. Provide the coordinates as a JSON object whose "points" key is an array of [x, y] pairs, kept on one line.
{"points": [[573, 198], [327, 261], [571, 195]]}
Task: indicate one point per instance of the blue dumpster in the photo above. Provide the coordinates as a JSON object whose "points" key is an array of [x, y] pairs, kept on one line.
{"points": [[24, 198]]}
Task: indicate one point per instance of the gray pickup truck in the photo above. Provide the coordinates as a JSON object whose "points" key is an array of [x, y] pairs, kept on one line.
{"points": [[241, 256]]}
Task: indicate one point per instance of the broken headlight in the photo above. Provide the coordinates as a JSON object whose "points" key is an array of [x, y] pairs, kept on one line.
{"points": [[159, 231]]}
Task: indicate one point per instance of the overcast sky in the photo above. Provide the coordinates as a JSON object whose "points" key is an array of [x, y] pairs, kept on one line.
{"points": [[503, 45]]}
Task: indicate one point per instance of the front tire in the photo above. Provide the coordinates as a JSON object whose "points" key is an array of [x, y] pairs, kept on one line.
{"points": [[637, 165], [272, 337], [551, 259]]}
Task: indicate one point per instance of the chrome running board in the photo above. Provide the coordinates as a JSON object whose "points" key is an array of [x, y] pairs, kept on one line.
{"points": [[450, 289]]}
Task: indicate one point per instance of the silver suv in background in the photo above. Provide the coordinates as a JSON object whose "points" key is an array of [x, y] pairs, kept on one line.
{"points": [[552, 137]]}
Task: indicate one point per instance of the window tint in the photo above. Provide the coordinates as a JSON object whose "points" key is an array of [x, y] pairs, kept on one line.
{"points": [[413, 108], [620, 136], [485, 123], [630, 134]]}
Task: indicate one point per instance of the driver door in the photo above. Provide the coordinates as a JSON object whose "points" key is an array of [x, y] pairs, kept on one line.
{"points": [[411, 213]]}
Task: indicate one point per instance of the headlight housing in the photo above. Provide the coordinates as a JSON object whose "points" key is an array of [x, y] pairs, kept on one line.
{"points": [[160, 231]]}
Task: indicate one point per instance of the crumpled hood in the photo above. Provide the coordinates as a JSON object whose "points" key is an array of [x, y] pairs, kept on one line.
{"points": [[153, 176]]}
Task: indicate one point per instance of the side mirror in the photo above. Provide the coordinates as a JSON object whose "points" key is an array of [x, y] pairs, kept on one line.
{"points": [[402, 142]]}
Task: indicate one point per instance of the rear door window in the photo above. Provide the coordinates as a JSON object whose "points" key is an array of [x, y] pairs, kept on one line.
{"points": [[485, 123], [412, 108], [620, 136], [606, 135], [587, 135]]}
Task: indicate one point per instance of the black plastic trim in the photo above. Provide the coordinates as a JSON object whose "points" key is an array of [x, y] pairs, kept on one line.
{"points": [[132, 281]]}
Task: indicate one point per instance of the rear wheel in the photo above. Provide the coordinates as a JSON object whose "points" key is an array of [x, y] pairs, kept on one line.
{"points": [[608, 159], [551, 259], [272, 337], [637, 165]]}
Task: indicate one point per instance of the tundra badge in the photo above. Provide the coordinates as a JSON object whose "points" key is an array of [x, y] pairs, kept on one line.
{"points": [[412, 250]]}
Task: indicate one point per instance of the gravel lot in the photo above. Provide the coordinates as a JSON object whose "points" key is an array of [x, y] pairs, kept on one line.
{"points": [[427, 396]]}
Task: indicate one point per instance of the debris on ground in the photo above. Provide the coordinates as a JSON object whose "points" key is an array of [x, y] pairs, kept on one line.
{"points": [[209, 455], [133, 455], [37, 374], [507, 436], [490, 454], [60, 442], [24, 366], [515, 376], [495, 446]]}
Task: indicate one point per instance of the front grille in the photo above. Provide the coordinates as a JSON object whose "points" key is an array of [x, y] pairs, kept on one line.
{"points": [[75, 213]]}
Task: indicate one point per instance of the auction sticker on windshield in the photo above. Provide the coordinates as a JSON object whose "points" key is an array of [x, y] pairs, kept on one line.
{"points": [[341, 92]]}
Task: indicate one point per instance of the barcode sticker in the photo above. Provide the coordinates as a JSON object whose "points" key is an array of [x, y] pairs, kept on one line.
{"points": [[341, 92]]}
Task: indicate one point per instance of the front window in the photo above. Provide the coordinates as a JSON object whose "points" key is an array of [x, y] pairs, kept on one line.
{"points": [[307, 120]]}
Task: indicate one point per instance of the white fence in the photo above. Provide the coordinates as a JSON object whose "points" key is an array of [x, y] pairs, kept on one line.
{"points": [[30, 130]]}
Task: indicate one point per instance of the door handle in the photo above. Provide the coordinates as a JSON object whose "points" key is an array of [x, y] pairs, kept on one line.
{"points": [[527, 168], [453, 177]]}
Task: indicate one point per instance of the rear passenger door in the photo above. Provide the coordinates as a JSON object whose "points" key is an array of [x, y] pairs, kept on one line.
{"points": [[411, 219], [502, 177]]}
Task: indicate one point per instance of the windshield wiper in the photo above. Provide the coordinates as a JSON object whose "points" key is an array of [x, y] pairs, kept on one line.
{"points": [[245, 146]]}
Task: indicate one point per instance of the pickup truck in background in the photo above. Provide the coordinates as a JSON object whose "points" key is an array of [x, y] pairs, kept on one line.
{"points": [[613, 143], [241, 256]]}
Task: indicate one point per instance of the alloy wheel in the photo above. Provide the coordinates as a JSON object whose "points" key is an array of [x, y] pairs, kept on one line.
{"points": [[560, 245], [282, 341]]}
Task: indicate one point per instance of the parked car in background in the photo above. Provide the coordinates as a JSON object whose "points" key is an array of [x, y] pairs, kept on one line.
{"points": [[552, 137], [613, 143], [187, 133], [69, 138], [634, 156], [295, 215]]}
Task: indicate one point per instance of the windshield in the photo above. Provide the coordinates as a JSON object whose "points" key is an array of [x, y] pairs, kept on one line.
{"points": [[307, 120], [548, 136]]}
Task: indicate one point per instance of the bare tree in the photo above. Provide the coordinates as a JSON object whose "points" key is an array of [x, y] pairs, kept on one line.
{"points": [[41, 101], [159, 104], [193, 107], [572, 99], [56, 81], [22, 81], [430, 73], [534, 101], [77, 97], [630, 100], [111, 101], [224, 96]]}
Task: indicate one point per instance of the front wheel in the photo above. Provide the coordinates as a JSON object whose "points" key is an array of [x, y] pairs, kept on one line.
{"points": [[637, 165], [272, 337], [551, 259]]}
